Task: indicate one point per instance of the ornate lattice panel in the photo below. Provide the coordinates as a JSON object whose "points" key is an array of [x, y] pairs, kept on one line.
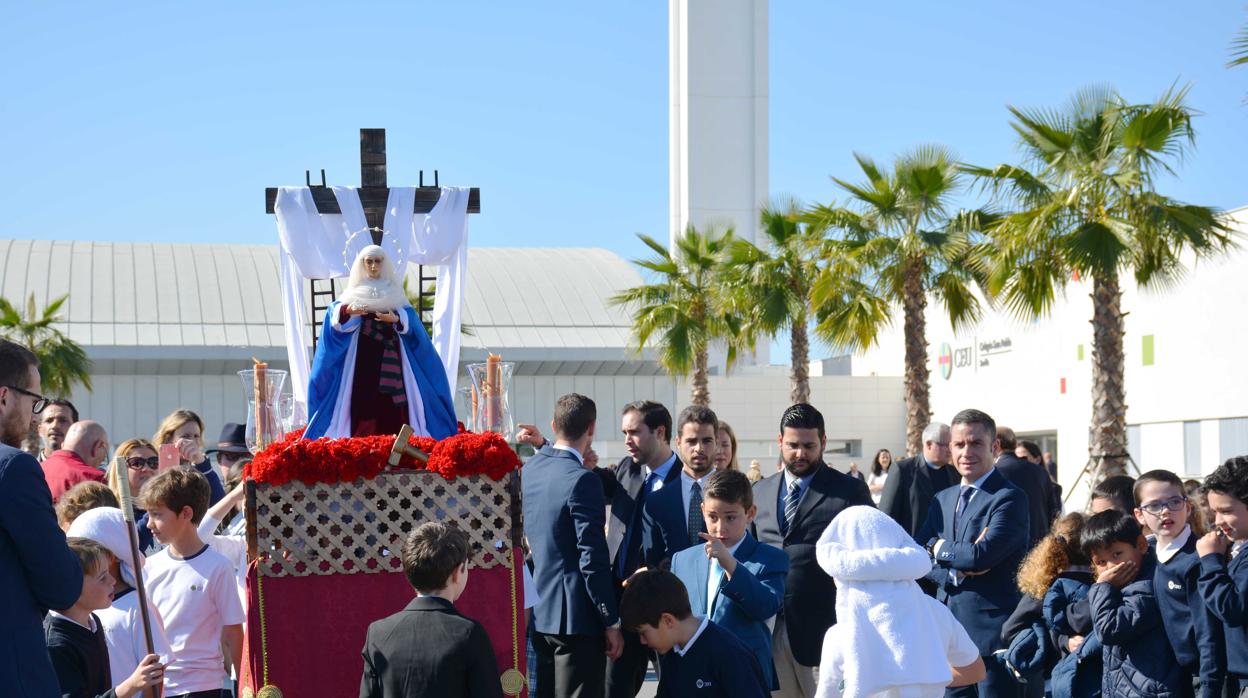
{"points": [[359, 527]]}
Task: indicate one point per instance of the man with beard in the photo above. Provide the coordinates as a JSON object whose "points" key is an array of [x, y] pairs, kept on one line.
{"points": [[53, 424], [38, 571], [794, 507], [672, 516]]}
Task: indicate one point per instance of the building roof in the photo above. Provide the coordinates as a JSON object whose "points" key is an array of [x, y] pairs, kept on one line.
{"points": [[182, 302]]}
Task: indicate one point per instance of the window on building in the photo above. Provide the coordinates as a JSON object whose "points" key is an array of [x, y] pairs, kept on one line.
{"points": [[1232, 437], [1191, 448], [1133, 443]]}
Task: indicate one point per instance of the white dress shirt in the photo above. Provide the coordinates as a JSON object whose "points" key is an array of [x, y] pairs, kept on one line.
{"points": [[682, 650], [661, 472], [1165, 552]]}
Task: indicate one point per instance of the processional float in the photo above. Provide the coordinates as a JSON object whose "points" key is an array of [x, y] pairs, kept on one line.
{"points": [[327, 517]]}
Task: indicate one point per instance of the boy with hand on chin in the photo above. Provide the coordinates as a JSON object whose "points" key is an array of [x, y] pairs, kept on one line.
{"points": [[735, 581], [1223, 583], [699, 658], [1196, 637], [1138, 660], [192, 586]]}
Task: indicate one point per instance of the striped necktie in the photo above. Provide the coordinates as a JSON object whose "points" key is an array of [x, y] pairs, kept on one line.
{"points": [[696, 524], [790, 505]]}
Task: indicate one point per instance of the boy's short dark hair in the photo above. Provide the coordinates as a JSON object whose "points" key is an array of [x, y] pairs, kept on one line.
{"points": [[1108, 527], [802, 416], [1119, 489], [650, 594], [731, 486], [697, 414], [90, 554], [1230, 479], [1156, 476], [973, 416], [431, 553], [653, 415], [176, 488], [573, 415]]}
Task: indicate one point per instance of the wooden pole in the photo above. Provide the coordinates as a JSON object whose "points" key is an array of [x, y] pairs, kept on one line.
{"points": [[127, 513]]}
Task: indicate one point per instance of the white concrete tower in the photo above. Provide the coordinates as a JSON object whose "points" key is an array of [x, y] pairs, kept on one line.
{"points": [[718, 122]]}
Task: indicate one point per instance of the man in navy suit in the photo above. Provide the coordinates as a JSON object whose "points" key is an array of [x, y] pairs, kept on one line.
{"points": [[1034, 482], [38, 571], [794, 507], [978, 534], [577, 619], [672, 516]]}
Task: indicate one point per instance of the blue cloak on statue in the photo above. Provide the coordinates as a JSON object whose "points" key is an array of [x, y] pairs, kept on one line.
{"points": [[431, 411]]}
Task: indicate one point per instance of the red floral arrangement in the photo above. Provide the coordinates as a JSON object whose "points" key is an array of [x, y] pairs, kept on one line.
{"points": [[346, 460]]}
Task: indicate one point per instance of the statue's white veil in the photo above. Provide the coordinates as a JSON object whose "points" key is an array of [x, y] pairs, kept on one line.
{"points": [[374, 295]]}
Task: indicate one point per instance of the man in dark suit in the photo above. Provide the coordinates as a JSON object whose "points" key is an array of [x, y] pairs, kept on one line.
{"points": [[1032, 480], [672, 516], [38, 571], [977, 535], [428, 648], [913, 482], [794, 507], [564, 517]]}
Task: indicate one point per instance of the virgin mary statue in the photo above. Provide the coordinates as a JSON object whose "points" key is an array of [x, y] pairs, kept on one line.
{"points": [[375, 368]]}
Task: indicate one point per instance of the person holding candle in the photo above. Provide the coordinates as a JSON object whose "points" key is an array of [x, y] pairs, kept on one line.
{"points": [[375, 368]]}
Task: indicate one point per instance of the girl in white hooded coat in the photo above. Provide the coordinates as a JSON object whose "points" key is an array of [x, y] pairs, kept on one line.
{"points": [[890, 640]]}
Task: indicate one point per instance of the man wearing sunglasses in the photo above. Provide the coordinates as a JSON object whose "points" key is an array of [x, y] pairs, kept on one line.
{"points": [[38, 571]]}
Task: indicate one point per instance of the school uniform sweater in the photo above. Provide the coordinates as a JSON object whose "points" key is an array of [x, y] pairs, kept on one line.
{"points": [[714, 664], [79, 656], [1194, 635], [1224, 589]]}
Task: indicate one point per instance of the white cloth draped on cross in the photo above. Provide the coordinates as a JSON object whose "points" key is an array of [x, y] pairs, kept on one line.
{"points": [[314, 246]]}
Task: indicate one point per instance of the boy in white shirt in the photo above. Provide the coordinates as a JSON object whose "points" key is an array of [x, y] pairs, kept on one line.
{"points": [[191, 585]]}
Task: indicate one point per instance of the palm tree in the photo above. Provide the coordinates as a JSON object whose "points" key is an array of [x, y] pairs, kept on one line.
{"points": [[898, 241], [423, 305], [685, 305], [1088, 209], [770, 286], [62, 362]]}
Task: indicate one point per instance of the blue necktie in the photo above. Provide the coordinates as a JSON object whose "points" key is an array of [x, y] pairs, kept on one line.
{"points": [[963, 498], [622, 559], [790, 505]]}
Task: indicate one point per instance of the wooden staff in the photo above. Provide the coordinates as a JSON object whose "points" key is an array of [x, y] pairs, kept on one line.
{"points": [[493, 393], [127, 513]]}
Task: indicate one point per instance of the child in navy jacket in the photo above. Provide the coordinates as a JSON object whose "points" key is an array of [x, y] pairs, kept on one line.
{"points": [[1139, 662], [1195, 636], [699, 658], [1223, 585]]}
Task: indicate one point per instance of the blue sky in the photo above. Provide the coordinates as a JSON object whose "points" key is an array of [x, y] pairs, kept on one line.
{"points": [[165, 121]]}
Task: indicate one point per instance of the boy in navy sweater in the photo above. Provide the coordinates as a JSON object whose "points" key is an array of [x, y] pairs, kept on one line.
{"points": [[1138, 660], [1163, 509], [699, 658], [1223, 585]]}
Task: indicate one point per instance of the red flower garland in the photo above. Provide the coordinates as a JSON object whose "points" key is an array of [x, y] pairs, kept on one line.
{"points": [[345, 460]]}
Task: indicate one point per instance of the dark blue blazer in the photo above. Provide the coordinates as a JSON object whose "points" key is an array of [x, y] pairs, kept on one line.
{"points": [[743, 603], [981, 603], [716, 666], [1224, 589], [564, 518], [665, 523], [38, 572], [625, 529], [809, 593], [1195, 636]]}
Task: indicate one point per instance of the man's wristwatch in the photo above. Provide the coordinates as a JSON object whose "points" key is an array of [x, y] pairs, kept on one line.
{"points": [[931, 545]]}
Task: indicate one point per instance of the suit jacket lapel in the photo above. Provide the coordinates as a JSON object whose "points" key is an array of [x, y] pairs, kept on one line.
{"points": [[816, 492], [977, 504], [767, 500]]}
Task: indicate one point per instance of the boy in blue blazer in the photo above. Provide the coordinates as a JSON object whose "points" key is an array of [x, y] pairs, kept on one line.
{"points": [[699, 658], [733, 579], [1223, 583]]}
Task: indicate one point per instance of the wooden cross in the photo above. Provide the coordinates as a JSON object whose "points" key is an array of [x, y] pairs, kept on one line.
{"points": [[374, 195]]}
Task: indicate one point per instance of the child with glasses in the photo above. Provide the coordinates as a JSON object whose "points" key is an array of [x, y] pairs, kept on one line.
{"points": [[1162, 509]]}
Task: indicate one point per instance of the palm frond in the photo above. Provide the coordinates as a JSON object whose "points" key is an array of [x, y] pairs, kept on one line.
{"points": [[1239, 48]]}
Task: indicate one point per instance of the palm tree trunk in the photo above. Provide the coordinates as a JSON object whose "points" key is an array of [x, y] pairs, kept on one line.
{"points": [[800, 358], [1107, 434], [700, 389], [918, 397]]}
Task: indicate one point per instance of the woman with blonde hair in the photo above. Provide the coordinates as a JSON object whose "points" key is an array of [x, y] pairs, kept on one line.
{"points": [[140, 464], [726, 448], [185, 430]]}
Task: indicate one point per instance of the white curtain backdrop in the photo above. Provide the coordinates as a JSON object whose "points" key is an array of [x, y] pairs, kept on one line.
{"points": [[315, 246]]}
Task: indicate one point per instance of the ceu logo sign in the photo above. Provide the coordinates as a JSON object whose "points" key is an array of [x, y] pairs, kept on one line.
{"points": [[945, 360]]}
